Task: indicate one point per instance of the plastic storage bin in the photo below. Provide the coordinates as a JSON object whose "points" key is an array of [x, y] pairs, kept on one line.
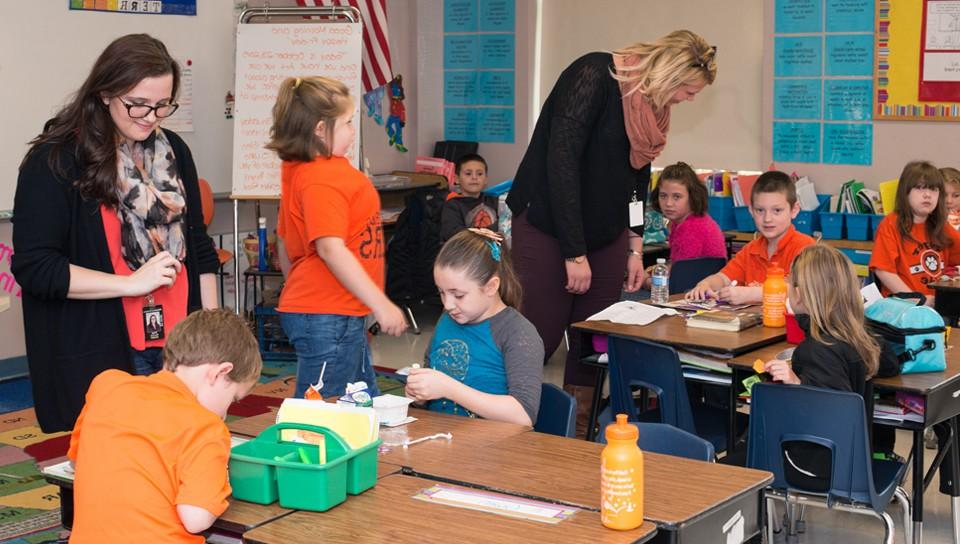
{"points": [[721, 210], [257, 476], [858, 226], [744, 219], [831, 225], [875, 224], [808, 221], [860, 259]]}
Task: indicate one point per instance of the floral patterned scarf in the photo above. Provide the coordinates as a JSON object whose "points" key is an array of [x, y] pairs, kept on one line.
{"points": [[152, 203]]}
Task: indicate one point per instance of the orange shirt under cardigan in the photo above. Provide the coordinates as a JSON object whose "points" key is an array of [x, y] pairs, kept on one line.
{"points": [[141, 446], [749, 266], [917, 264], [327, 197]]}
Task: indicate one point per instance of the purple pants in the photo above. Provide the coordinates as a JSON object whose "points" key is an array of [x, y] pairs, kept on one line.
{"points": [[546, 302]]}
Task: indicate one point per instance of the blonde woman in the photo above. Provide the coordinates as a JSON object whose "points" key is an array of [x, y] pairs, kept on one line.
{"points": [[605, 120]]}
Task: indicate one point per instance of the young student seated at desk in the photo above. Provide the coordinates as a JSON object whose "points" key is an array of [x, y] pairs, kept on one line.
{"points": [[682, 199], [469, 208], [151, 452], [837, 353], [773, 203], [951, 183], [485, 359], [914, 243]]}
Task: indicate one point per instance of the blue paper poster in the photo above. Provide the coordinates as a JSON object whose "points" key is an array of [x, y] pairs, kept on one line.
{"points": [[796, 142], [849, 55], [797, 57], [460, 16], [460, 124], [848, 99], [797, 16], [796, 99], [460, 88], [850, 15], [497, 15], [848, 143], [495, 88], [460, 52], [497, 51], [495, 125]]}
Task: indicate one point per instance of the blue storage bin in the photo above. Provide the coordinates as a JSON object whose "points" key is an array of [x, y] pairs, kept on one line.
{"points": [[808, 221], [721, 210], [858, 226], [857, 256], [875, 224], [744, 219], [831, 224]]}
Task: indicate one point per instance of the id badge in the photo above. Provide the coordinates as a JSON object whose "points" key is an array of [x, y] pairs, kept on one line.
{"points": [[636, 213], [152, 320]]}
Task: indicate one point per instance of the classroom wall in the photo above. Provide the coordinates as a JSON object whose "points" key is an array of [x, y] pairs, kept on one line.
{"points": [[894, 142]]}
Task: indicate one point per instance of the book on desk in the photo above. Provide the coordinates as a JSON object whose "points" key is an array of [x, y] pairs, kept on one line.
{"points": [[723, 320]]}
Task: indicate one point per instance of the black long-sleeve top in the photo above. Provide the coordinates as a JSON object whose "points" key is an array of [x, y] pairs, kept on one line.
{"points": [[70, 341], [575, 180]]}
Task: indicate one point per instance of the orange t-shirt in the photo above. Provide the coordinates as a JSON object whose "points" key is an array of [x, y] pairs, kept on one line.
{"points": [[141, 446], [749, 266], [327, 197], [917, 264], [173, 299]]}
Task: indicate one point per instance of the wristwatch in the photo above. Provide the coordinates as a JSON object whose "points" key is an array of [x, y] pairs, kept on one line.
{"points": [[580, 259]]}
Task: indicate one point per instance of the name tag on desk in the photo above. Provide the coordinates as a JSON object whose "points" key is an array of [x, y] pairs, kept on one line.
{"points": [[636, 213]]}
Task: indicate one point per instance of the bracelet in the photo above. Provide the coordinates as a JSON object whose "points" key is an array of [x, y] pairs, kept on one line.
{"points": [[635, 253]]}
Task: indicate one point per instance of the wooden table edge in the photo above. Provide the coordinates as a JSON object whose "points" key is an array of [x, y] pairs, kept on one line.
{"points": [[676, 525]]}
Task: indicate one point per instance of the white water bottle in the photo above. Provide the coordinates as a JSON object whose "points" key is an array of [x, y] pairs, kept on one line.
{"points": [[660, 283]]}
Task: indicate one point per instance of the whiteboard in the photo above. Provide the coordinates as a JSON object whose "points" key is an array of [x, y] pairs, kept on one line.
{"points": [[46, 51], [266, 55]]}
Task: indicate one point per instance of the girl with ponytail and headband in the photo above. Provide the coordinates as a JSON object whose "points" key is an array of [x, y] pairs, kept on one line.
{"points": [[577, 237], [485, 359]]}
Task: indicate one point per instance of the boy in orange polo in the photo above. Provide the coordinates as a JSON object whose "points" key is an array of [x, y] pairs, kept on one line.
{"points": [[774, 205], [151, 452]]}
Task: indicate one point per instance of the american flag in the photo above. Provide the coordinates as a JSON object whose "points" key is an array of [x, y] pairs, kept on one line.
{"points": [[376, 44]]}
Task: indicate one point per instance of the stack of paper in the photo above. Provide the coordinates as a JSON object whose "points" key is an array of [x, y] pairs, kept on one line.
{"points": [[357, 426], [741, 185], [631, 313], [807, 194], [855, 198]]}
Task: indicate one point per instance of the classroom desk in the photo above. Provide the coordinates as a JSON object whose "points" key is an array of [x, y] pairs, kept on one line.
{"points": [[389, 513], [947, 302], [941, 394], [690, 501], [673, 331], [742, 237], [468, 435]]}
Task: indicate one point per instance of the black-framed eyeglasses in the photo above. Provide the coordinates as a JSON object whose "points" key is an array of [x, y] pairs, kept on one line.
{"points": [[139, 111], [713, 52]]}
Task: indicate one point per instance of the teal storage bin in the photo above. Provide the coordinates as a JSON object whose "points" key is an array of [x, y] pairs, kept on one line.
{"points": [[831, 225], [808, 221], [721, 210], [858, 226], [744, 219], [875, 224], [256, 475], [857, 256]]}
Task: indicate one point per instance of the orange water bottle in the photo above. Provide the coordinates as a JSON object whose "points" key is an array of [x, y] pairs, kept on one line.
{"points": [[621, 477], [775, 297]]}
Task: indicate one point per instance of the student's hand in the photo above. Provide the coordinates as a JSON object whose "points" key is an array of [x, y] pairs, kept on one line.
{"points": [[390, 318], [427, 384], [735, 294], [578, 276], [781, 371], [160, 271], [700, 291], [636, 275]]}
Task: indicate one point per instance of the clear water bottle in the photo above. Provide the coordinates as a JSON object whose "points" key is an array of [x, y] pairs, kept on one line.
{"points": [[660, 283]]}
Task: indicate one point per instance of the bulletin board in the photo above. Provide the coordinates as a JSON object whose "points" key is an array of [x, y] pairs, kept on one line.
{"points": [[917, 72]]}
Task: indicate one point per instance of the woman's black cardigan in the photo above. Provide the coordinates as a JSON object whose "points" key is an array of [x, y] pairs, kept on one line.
{"points": [[70, 341]]}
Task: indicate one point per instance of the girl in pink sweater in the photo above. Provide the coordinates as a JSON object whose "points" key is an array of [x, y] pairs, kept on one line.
{"points": [[682, 199]]}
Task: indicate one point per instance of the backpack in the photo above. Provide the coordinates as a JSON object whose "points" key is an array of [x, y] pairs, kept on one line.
{"points": [[915, 331], [414, 246]]}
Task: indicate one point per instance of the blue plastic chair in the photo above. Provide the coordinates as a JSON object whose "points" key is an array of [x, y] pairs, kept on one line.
{"points": [[656, 367], [558, 412], [669, 440], [833, 419], [686, 274]]}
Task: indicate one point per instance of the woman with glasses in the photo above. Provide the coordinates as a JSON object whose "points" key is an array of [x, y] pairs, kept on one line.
{"points": [[108, 230], [578, 193]]}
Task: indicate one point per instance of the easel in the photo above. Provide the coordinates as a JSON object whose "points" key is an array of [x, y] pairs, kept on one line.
{"points": [[330, 15]]}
